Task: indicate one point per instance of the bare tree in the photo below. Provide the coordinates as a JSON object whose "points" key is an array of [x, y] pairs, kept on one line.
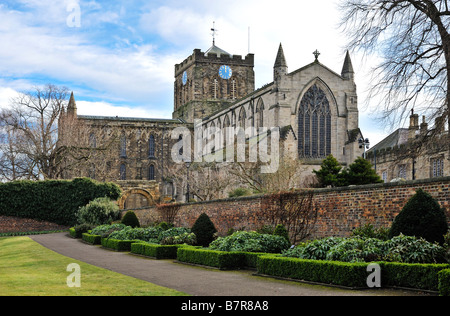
{"points": [[294, 210], [412, 38], [32, 121], [13, 164], [290, 175], [39, 140]]}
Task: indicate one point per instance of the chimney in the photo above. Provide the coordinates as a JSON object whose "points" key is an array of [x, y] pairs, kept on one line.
{"points": [[440, 124], [423, 126], [413, 125]]}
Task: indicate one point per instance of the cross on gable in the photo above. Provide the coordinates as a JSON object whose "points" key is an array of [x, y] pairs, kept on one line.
{"points": [[316, 54]]}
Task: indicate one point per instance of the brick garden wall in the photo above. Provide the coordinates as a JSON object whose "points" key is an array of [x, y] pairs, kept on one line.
{"points": [[340, 210]]}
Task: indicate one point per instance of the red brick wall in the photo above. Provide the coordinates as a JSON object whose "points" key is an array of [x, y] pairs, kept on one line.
{"points": [[340, 210]]}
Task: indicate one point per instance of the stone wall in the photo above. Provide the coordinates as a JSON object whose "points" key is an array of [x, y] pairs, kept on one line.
{"points": [[340, 210]]}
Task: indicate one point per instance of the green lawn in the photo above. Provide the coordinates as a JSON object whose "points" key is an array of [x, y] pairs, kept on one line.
{"points": [[29, 269]]}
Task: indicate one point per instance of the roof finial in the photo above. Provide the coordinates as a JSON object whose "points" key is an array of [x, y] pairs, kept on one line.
{"points": [[316, 54], [214, 33]]}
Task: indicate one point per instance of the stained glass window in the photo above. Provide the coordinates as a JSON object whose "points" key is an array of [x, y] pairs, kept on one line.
{"points": [[314, 125]]}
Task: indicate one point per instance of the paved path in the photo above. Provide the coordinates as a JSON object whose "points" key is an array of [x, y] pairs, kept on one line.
{"points": [[195, 281]]}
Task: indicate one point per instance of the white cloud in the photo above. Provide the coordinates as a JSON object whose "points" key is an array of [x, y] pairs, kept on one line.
{"points": [[107, 109]]}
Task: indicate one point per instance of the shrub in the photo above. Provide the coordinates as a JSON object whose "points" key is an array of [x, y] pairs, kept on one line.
{"points": [[315, 250], [204, 230], [410, 249], [368, 231], [421, 217], [79, 230], [98, 212], [130, 219], [106, 230], [185, 238], [250, 242], [173, 232], [280, 230], [150, 234]]}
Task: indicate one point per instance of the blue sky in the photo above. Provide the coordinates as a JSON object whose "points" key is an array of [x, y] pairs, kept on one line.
{"points": [[119, 59]]}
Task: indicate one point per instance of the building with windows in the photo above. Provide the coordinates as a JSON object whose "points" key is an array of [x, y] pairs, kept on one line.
{"points": [[314, 107], [413, 153]]}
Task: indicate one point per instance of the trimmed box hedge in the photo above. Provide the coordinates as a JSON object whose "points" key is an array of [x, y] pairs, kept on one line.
{"points": [[118, 245], [354, 275], [219, 259], [408, 275], [211, 258], [92, 239], [444, 282], [155, 250]]}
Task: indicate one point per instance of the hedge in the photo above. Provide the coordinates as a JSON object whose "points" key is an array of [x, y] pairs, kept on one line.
{"points": [[92, 239], [444, 282], [55, 201], [155, 250], [211, 258], [223, 260], [118, 245], [407, 275], [354, 275]]}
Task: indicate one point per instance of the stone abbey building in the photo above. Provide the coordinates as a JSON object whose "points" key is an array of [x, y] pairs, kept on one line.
{"points": [[314, 107]]}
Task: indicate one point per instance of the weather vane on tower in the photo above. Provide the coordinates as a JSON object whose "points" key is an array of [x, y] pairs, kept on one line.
{"points": [[214, 33]]}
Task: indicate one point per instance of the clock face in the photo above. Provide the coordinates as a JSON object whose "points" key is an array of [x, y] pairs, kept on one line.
{"points": [[184, 78], [225, 72]]}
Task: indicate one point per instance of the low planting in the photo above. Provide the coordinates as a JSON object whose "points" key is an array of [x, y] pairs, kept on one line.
{"points": [[250, 242], [405, 249]]}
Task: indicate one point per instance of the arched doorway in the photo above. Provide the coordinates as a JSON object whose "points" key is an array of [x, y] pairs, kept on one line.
{"points": [[136, 199]]}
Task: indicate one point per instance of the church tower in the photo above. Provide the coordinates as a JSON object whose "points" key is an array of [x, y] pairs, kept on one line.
{"points": [[207, 82]]}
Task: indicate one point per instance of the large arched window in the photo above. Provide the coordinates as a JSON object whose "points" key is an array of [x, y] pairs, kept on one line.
{"points": [[314, 125], [260, 114], [242, 118]]}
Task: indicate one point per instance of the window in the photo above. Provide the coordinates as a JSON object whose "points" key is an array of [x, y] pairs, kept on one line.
{"points": [[233, 89], [402, 171], [92, 141], [259, 115], [123, 172], [151, 146], [385, 176], [123, 146], [242, 118], [314, 125], [151, 172], [437, 167]]}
